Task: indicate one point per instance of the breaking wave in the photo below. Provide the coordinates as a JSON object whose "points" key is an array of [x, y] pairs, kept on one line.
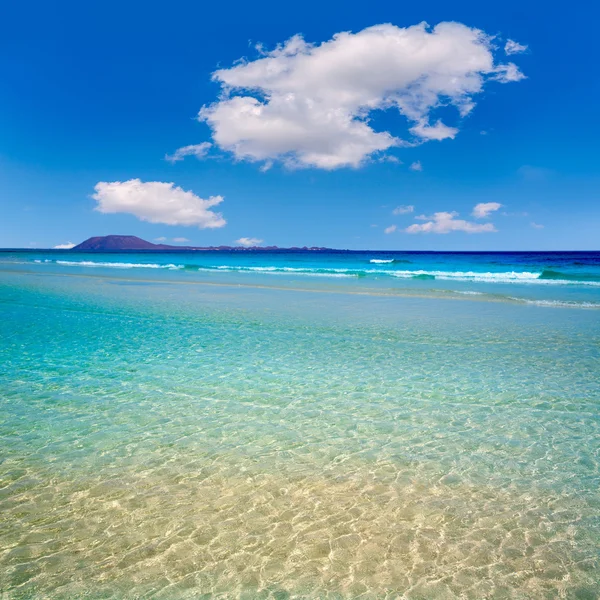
{"points": [[545, 276], [384, 261], [117, 265]]}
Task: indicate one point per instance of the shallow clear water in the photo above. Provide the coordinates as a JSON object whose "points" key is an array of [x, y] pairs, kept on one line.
{"points": [[165, 438]]}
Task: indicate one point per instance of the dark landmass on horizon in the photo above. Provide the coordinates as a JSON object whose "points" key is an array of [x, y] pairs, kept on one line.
{"points": [[132, 243], [121, 243]]}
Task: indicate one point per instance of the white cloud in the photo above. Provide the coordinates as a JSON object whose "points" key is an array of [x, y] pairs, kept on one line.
{"points": [[180, 240], [160, 239], [439, 131], [483, 209], [512, 47], [537, 225], [158, 202], [248, 242], [445, 222], [403, 210], [416, 166], [508, 72], [388, 158], [308, 105], [197, 150], [65, 246], [390, 229]]}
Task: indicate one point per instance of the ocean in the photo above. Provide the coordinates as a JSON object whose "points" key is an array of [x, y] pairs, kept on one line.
{"points": [[299, 425]]}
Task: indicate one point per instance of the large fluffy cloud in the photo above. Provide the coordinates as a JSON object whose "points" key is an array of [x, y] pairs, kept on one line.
{"points": [[158, 202], [309, 104], [445, 222]]}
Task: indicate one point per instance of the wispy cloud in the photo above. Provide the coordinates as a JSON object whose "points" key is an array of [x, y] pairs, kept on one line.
{"points": [[65, 246], [390, 229], [536, 225], [512, 47], [416, 166], [180, 240], [484, 209], [197, 150], [403, 210], [389, 158], [158, 202]]}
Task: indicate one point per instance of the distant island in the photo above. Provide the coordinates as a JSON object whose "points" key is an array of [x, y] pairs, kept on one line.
{"points": [[125, 243]]}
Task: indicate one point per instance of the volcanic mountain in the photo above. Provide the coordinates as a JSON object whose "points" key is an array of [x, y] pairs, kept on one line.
{"points": [[119, 242]]}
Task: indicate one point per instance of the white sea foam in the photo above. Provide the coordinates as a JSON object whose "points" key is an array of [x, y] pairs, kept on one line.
{"points": [[488, 277], [470, 275], [520, 277], [557, 303], [381, 261], [281, 271], [117, 265]]}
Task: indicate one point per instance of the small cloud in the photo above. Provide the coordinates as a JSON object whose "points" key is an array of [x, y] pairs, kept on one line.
{"points": [[197, 150], [508, 72], [438, 132], [266, 166], [537, 225], [483, 132], [445, 222], [65, 246], [483, 209], [512, 47], [160, 239], [390, 229], [389, 159], [180, 240], [416, 166], [248, 241], [374, 225], [403, 210], [158, 202]]}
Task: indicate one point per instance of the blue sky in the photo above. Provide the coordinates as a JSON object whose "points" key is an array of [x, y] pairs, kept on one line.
{"points": [[94, 96]]}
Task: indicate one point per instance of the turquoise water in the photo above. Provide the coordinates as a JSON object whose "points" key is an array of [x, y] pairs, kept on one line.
{"points": [[544, 278], [169, 432]]}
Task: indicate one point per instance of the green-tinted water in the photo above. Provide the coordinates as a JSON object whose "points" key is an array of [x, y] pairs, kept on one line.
{"points": [[165, 440]]}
